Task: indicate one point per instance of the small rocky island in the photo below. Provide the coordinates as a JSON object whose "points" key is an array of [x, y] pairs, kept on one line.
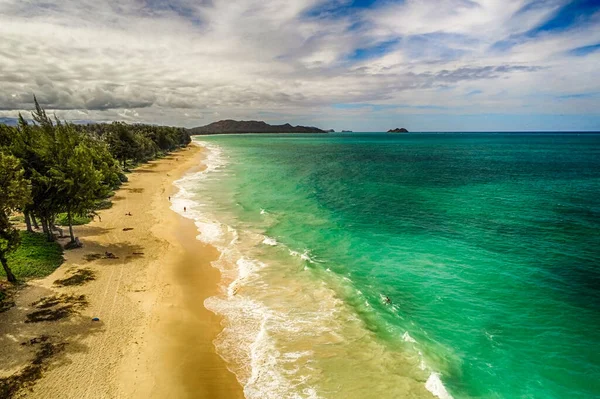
{"points": [[398, 130], [230, 126]]}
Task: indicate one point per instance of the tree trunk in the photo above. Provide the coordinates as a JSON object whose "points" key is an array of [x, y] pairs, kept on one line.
{"points": [[9, 274], [44, 225], [34, 221], [71, 227], [47, 230], [28, 221], [53, 228]]}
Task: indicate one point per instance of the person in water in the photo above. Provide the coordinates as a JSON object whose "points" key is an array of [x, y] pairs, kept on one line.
{"points": [[387, 300]]}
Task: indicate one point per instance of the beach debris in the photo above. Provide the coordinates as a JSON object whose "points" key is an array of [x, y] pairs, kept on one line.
{"points": [[80, 277], [128, 228], [95, 319], [128, 214], [110, 255], [138, 253]]}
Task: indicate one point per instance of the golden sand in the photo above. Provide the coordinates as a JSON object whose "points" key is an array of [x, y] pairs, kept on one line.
{"points": [[154, 338]]}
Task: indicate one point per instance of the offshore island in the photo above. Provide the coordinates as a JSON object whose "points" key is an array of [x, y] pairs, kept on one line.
{"points": [[398, 130]]}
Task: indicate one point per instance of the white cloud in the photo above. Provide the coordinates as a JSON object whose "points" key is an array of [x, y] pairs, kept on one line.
{"points": [[188, 62]]}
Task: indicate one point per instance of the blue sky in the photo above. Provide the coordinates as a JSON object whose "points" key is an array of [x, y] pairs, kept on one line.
{"points": [[365, 65]]}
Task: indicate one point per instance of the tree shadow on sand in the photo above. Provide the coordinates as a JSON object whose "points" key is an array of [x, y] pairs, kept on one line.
{"points": [[134, 190], [122, 252], [16, 334], [92, 231], [51, 349]]}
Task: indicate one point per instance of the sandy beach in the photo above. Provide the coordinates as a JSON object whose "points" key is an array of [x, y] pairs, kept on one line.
{"points": [[154, 337]]}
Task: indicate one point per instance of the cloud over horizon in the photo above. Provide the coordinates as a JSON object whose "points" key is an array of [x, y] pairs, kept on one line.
{"points": [[366, 65]]}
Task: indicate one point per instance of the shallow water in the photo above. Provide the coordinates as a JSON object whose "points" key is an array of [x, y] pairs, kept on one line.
{"points": [[485, 244]]}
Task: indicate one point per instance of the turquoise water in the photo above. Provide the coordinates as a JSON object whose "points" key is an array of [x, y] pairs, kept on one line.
{"points": [[487, 246]]}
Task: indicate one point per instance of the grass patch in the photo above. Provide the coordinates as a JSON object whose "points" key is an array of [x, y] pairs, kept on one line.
{"points": [[63, 220], [35, 257]]}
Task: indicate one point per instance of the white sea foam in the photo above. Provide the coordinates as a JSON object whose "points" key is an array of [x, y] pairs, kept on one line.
{"points": [[248, 267], [248, 341], [434, 382], [407, 338], [435, 386], [210, 232], [183, 202], [306, 255], [269, 241]]}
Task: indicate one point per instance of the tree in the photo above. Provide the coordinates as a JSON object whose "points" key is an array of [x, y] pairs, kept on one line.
{"points": [[77, 180], [122, 142], [70, 167], [15, 194]]}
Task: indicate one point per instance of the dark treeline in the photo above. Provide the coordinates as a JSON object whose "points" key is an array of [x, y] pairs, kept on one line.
{"points": [[137, 143], [49, 167]]}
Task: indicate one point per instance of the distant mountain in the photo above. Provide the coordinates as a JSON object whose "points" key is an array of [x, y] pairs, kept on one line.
{"points": [[230, 126], [8, 121], [396, 130]]}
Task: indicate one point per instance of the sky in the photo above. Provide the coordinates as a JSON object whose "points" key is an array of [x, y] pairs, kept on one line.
{"points": [[362, 65]]}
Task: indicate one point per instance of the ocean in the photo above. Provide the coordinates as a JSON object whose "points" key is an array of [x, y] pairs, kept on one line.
{"points": [[374, 265]]}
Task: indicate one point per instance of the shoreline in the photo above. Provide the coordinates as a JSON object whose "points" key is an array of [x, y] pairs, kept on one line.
{"points": [[154, 338], [273, 341]]}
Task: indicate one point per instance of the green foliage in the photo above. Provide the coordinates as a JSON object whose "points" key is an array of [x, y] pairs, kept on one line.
{"points": [[36, 257], [5, 135], [138, 143], [77, 220], [69, 168], [103, 204], [15, 194]]}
